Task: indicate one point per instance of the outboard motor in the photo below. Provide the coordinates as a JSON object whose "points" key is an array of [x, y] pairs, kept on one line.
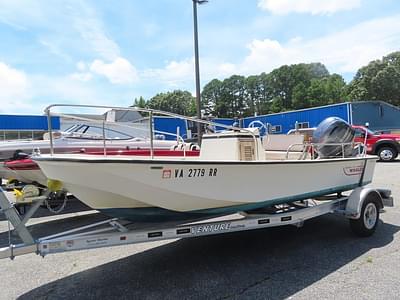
{"points": [[333, 130]]}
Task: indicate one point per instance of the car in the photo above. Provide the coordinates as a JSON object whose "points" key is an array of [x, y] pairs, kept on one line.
{"points": [[385, 145]]}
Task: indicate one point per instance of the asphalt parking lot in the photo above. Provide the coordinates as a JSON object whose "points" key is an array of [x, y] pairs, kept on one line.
{"points": [[321, 260]]}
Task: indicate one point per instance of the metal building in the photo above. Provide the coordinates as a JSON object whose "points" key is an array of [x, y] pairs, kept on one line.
{"points": [[379, 115], [14, 127], [187, 129]]}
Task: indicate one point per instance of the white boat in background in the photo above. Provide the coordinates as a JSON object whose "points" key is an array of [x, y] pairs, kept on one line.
{"points": [[79, 138], [233, 173]]}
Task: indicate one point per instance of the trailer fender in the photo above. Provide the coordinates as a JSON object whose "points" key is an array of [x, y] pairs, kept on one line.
{"points": [[357, 198]]}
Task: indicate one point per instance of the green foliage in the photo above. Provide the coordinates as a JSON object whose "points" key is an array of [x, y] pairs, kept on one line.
{"points": [[288, 87], [179, 102], [379, 80], [141, 102]]}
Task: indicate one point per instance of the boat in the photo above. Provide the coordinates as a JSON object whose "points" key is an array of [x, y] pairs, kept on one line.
{"points": [[26, 170], [234, 172], [79, 138]]}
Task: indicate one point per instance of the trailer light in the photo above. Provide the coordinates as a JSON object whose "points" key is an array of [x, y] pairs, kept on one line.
{"points": [[122, 238]]}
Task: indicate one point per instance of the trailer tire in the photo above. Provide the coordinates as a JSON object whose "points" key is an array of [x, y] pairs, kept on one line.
{"points": [[366, 224]]}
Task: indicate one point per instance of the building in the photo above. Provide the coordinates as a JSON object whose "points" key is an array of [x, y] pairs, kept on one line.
{"points": [[14, 127], [379, 115], [170, 126]]}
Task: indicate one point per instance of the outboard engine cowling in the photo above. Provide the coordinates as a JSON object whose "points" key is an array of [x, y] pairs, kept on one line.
{"points": [[333, 130]]}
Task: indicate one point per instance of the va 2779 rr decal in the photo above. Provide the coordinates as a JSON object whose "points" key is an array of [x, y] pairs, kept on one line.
{"points": [[189, 173]]}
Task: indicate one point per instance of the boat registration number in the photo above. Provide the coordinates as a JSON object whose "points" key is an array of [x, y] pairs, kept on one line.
{"points": [[189, 173]]}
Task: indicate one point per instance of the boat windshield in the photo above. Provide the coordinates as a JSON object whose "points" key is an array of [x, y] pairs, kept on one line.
{"points": [[95, 132]]}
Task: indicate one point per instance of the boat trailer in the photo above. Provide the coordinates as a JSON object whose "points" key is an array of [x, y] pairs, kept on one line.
{"points": [[362, 207]]}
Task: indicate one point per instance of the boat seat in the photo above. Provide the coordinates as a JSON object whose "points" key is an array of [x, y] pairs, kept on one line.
{"points": [[281, 142], [276, 146]]}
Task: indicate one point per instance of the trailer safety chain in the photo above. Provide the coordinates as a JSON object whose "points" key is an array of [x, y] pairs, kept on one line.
{"points": [[56, 196]]}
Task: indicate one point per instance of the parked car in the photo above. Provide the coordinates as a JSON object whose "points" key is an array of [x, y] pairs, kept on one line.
{"points": [[385, 145]]}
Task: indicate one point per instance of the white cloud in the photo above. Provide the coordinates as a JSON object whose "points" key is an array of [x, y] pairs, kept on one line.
{"points": [[81, 66], [84, 76], [343, 51], [181, 74], [314, 7], [91, 29], [14, 85], [54, 48], [62, 28], [119, 71], [174, 74], [21, 13]]}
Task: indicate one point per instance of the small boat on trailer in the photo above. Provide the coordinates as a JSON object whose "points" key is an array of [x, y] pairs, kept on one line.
{"points": [[232, 173], [262, 192]]}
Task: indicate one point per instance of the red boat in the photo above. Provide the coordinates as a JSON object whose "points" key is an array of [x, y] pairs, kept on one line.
{"points": [[28, 171]]}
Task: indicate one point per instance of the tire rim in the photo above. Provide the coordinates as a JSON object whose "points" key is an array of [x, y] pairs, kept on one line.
{"points": [[370, 215], [386, 155]]}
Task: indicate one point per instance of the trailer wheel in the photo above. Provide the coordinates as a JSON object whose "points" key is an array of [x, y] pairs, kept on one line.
{"points": [[366, 224]]}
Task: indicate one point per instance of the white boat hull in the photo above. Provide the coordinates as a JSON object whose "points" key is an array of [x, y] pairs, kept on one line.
{"points": [[190, 186]]}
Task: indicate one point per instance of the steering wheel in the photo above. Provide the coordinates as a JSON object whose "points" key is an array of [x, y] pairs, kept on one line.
{"points": [[253, 124]]}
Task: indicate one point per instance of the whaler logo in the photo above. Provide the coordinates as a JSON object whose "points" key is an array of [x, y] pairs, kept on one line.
{"points": [[350, 171]]}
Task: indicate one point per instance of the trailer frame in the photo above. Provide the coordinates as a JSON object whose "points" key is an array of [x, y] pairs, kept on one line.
{"points": [[116, 232]]}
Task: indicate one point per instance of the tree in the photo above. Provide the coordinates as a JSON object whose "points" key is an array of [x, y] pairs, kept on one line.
{"points": [[379, 80], [258, 95], [289, 81], [211, 97], [141, 102], [234, 94], [287, 87], [179, 102], [225, 98]]}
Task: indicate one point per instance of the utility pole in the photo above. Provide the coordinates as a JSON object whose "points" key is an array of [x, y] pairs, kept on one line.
{"points": [[197, 67]]}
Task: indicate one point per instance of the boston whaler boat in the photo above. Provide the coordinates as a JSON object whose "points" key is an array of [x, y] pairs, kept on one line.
{"points": [[264, 181], [234, 172]]}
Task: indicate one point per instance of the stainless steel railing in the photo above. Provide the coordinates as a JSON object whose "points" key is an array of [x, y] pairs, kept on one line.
{"points": [[311, 148], [151, 113]]}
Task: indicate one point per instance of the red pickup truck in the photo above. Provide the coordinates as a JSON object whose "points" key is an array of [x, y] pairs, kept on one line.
{"points": [[386, 146]]}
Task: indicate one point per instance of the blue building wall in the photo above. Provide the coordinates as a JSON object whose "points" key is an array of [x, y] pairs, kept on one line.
{"points": [[380, 115], [170, 125], [287, 120], [23, 122], [224, 121]]}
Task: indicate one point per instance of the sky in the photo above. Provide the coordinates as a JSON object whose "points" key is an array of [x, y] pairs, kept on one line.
{"points": [[111, 52]]}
